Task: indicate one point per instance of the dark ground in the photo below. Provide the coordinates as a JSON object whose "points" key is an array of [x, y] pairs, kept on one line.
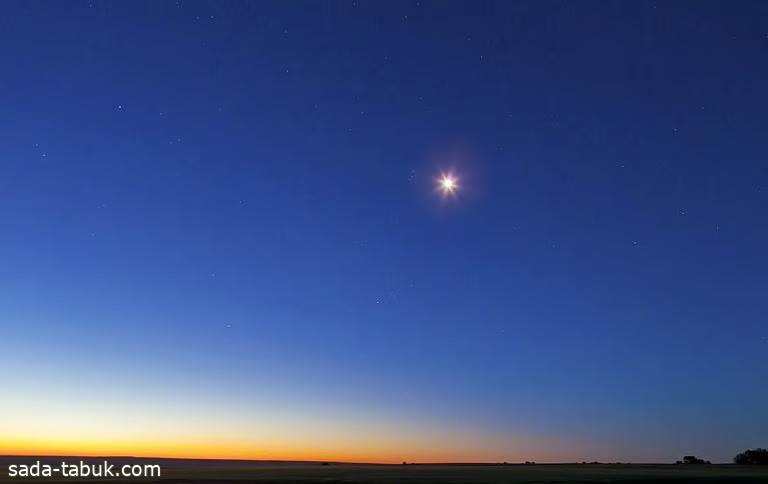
{"points": [[241, 472]]}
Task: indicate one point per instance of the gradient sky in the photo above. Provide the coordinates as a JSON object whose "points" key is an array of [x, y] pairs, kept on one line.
{"points": [[220, 235]]}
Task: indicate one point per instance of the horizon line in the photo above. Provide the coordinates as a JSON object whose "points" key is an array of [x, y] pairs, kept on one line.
{"points": [[405, 462]]}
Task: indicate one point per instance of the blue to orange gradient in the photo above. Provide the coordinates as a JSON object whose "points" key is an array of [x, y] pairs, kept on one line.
{"points": [[223, 232]]}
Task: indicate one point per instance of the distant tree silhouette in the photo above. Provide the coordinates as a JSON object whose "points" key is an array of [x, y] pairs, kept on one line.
{"points": [[752, 457], [529, 463], [692, 459]]}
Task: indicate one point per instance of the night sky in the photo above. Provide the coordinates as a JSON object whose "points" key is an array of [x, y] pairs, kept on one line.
{"points": [[222, 230]]}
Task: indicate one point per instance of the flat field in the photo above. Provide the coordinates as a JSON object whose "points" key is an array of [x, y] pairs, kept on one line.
{"points": [[221, 472]]}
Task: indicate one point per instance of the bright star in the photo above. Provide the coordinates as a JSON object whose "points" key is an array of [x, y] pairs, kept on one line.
{"points": [[448, 184]]}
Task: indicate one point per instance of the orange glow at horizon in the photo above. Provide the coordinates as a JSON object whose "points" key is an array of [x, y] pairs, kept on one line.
{"points": [[368, 446], [56, 420], [190, 450]]}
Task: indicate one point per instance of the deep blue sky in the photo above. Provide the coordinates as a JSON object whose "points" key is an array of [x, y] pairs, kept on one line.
{"points": [[234, 204]]}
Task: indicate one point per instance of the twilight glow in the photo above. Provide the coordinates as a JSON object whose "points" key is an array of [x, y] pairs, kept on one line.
{"points": [[225, 230]]}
